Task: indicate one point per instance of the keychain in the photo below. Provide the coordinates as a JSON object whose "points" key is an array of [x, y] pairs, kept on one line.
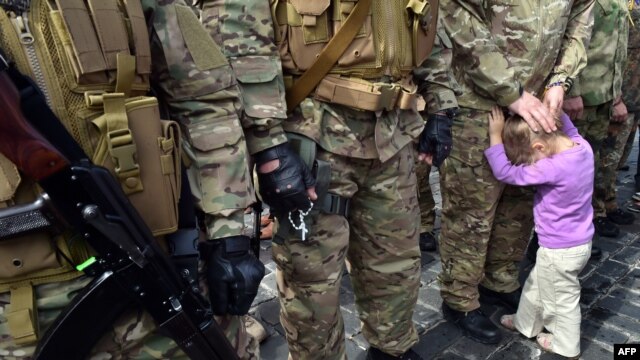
{"points": [[302, 227]]}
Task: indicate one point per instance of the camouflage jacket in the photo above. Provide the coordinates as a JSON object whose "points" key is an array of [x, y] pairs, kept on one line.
{"points": [[434, 78], [500, 45], [631, 77], [601, 80]]}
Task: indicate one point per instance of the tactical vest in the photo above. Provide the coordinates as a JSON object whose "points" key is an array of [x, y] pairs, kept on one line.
{"points": [[395, 38], [91, 59]]}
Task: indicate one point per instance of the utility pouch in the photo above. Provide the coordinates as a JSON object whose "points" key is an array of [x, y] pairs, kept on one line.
{"points": [[143, 153], [422, 15]]}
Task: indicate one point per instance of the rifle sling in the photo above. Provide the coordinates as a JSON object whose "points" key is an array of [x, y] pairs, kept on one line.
{"points": [[328, 56]]}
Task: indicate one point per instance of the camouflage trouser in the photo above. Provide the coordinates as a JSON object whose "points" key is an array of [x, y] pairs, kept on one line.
{"points": [[132, 336], [485, 225], [593, 127], [610, 155], [380, 240], [628, 145], [425, 198]]}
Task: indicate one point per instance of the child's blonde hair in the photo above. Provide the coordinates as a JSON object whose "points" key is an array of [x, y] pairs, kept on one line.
{"points": [[518, 137]]}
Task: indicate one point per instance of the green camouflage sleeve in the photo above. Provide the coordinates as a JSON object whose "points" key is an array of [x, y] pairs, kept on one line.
{"points": [[244, 30], [573, 52], [465, 22], [434, 78]]}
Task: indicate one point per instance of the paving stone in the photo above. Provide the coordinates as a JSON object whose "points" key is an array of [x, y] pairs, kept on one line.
{"points": [[609, 318], [280, 330], [430, 297], [630, 255], [474, 350], [593, 351], [360, 341], [516, 350], [626, 295], [351, 323], [606, 244], [426, 259], [437, 339], [425, 318], [354, 351], [269, 312], [588, 269], [588, 297], [449, 355], [619, 307], [428, 276], [631, 281], [597, 283], [613, 269], [592, 330], [275, 347]]}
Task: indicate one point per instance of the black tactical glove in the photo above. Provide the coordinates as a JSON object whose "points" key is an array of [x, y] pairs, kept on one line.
{"points": [[436, 137], [233, 275], [285, 188]]}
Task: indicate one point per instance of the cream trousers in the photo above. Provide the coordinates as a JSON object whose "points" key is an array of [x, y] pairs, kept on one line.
{"points": [[551, 298]]}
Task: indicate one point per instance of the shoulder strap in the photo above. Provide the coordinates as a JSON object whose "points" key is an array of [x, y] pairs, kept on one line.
{"points": [[329, 55]]}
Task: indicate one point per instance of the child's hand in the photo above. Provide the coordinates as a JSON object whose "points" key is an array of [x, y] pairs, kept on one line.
{"points": [[496, 124]]}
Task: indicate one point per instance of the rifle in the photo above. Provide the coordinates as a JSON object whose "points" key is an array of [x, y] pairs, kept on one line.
{"points": [[130, 267]]}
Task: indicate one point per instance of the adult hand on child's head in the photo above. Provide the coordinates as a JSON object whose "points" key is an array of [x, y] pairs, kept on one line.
{"points": [[574, 108], [533, 112], [553, 99], [619, 112]]}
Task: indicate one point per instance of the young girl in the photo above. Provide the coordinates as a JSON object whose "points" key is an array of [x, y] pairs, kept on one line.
{"points": [[560, 165]]}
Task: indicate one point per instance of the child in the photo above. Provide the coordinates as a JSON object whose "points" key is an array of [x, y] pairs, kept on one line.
{"points": [[560, 165]]}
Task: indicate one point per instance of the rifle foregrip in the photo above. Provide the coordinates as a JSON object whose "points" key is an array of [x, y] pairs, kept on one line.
{"points": [[20, 142]]}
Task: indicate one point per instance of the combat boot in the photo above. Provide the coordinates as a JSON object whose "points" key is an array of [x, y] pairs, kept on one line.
{"points": [[508, 300], [621, 217], [474, 324], [427, 241], [605, 227], [377, 354]]}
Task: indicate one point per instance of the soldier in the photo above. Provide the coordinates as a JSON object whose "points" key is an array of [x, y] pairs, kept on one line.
{"points": [[194, 77], [427, 207], [506, 55], [599, 111], [360, 120]]}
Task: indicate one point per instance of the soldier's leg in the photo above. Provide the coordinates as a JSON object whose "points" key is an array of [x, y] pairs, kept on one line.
{"points": [[384, 253], [628, 145], [425, 198], [470, 196], [512, 228], [309, 273], [610, 155]]}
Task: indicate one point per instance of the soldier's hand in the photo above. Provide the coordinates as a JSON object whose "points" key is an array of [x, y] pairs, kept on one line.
{"points": [[533, 112], [553, 99], [233, 275], [574, 108], [286, 184], [619, 112], [436, 141]]}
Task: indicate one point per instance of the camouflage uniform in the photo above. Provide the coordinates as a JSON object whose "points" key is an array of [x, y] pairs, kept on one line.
{"points": [[599, 85], [199, 89], [631, 81], [497, 47], [372, 158], [436, 85]]}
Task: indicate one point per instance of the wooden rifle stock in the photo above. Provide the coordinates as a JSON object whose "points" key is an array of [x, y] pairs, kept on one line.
{"points": [[20, 142]]}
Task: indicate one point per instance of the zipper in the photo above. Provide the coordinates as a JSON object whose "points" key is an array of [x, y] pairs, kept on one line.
{"points": [[389, 12], [21, 24]]}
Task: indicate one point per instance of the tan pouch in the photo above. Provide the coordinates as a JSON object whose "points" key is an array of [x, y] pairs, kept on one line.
{"points": [[423, 15], [9, 180], [144, 155]]}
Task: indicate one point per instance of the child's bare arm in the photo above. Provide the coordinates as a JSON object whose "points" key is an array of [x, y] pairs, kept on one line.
{"points": [[496, 124]]}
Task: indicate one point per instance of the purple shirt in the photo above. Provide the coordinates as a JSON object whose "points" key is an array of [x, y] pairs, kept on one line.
{"points": [[564, 185]]}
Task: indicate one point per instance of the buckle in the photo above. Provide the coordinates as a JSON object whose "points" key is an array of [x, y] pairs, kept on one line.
{"points": [[123, 151], [418, 7], [388, 95]]}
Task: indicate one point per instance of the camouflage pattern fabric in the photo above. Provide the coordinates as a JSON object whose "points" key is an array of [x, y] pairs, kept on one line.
{"points": [[601, 80], [380, 240], [425, 198], [485, 224], [610, 154], [498, 46], [593, 127], [628, 144], [631, 76]]}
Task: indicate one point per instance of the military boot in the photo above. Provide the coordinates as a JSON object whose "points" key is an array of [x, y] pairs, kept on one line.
{"points": [[474, 324], [605, 227], [621, 217], [377, 354], [508, 300]]}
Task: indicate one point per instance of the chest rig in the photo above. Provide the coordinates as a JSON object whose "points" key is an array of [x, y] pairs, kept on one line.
{"points": [[91, 59]]}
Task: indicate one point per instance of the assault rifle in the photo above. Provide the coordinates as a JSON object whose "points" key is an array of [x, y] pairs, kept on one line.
{"points": [[129, 268]]}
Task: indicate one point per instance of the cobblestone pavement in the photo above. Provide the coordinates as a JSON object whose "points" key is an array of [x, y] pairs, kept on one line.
{"points": [[610, 304]]}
